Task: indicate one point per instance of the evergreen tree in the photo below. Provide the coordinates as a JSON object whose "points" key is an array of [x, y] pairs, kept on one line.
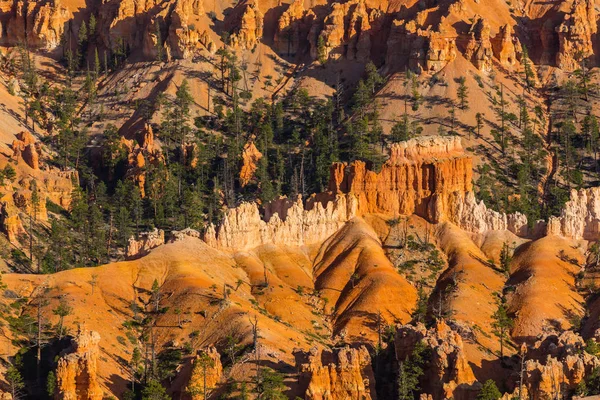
{"points": [[462, 92], [15, 382], [154, 391], [489, 391], [502, 324], [51, 384], [410, 372], [159, 44]]}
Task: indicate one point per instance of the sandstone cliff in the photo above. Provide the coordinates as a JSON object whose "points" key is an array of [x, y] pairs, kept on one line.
{"points": [[344, 374], [427, 176], [76, 374], [506, 47], [479, 48], [292, 29], [417, 179], [139, 154]]}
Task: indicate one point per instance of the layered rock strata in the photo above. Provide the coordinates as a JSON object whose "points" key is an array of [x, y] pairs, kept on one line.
{"points": [[41, 22], [292, 29], [245, 23], [506, 47], [428, 50], [344, 374]]}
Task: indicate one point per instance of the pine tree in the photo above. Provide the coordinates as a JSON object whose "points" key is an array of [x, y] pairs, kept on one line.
{"points": [[410, 372], [92, 26], [462, 92], [51, 384], [489, 391], [479, 123], [527, 67], [154, 391], [502, 324], [321, 50], [62, 310], [15, 382], [159, 44], [97, 67]]}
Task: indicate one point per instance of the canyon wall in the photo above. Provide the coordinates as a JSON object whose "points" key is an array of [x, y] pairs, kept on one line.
{"points": [[425, 38]]}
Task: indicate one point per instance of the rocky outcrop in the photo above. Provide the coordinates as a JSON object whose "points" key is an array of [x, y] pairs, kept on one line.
{"points": [[139, 154], [427, 50], [245, 24], [184, 233], [207, 371], [145, 242], [575, 35], [292, 29], [250, 158], [505, 47], [347, 32], [479, 48], [42, 22], [580, 217], [473, 216], [418, 178], [556, 363], [286, 222], [24, 147], [10, 221], [427, 176], [448, 374], [76, 373], [183, 36], [344, 374]]}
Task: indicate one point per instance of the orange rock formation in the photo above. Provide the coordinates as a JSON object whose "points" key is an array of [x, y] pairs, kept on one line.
{"points": [[76, 373], [250, 158], [345, 374], [449, 374], [206, 373], [575, 35], [146, 242]]}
